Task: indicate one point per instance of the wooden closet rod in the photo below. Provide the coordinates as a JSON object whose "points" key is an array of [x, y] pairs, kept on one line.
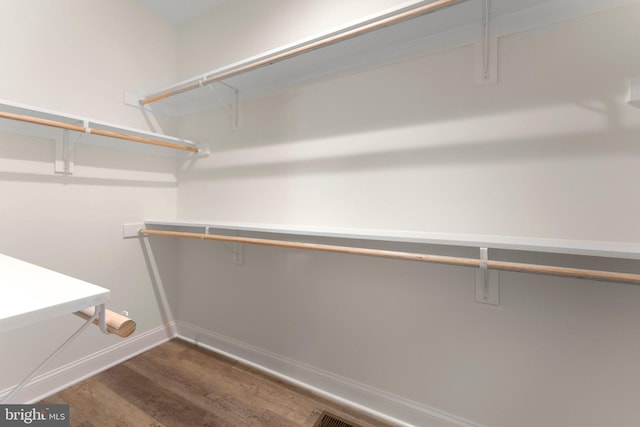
{"points": [[609, 276], [80, 128], [116, 323], [302, 48]]}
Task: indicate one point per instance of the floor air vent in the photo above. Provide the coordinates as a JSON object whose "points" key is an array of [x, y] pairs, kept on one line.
{"points": [[330, 420]]}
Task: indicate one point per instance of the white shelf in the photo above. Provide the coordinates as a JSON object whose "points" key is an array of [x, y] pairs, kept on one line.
{"points": [[54, 133], [390, 43], [621, 250], [33, 294], [459, 24]]}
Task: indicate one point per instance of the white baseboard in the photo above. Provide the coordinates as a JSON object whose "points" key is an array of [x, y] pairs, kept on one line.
{"points": [[376, 402], [395, 409], [58, 379]]}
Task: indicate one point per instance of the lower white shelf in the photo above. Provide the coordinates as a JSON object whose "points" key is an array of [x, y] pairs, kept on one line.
{"points": [[621, 250]]}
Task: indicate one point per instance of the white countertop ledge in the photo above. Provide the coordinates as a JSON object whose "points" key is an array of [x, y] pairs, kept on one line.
{"points": [[31, 294]]}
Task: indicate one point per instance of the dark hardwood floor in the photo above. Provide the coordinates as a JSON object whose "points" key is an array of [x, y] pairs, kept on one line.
{"points": [[179, 384]]}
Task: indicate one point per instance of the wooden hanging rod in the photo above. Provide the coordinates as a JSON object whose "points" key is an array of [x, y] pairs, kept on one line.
{"points": [[116, 323], [282, 55], [110, 134], [437, 259]]}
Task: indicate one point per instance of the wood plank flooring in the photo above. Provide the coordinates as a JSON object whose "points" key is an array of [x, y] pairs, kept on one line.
{"points": [[179, 384]]}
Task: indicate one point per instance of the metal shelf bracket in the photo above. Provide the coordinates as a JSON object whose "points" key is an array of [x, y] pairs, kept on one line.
{"points": [[63, 163], [235, 248], [234, 109], [486, 50], [99, 314]]}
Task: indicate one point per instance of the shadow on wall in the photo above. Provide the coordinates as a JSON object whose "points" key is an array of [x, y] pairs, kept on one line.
{"points": [[413, 147], [560, 92], [160, 260]]}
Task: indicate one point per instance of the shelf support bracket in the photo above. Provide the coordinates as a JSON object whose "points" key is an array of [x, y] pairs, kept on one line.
{"points": [[235, 107], [63, 163], [486, 50], [99, 314], [234, 110], [487, 281], [235, 248]]}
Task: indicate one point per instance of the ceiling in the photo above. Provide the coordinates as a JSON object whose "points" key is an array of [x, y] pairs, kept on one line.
{"points": [[179, 12]]}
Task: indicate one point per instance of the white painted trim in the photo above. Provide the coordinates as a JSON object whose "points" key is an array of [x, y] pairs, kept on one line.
{"points": [[378, 403], [60, 378]]}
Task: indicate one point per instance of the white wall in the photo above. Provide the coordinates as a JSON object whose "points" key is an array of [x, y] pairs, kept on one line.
{"points": [[550, 151], [418, 146], [236, 30], [79, 57]]}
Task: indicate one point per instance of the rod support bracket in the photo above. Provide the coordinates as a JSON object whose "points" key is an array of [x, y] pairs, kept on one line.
{"points": [[487, 281]]}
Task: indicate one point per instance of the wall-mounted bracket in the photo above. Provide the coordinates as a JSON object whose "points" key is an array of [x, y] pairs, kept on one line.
{"points": [[234, 109], [130, 231], [63, 163], [98, 315], [235, 248], [633, 96], [487, 281], [486, 50]]}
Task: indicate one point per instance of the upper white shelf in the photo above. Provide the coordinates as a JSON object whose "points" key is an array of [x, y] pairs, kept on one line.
{"points": [[33, 294], [34, 121], [621, 250], [374, 40]]}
